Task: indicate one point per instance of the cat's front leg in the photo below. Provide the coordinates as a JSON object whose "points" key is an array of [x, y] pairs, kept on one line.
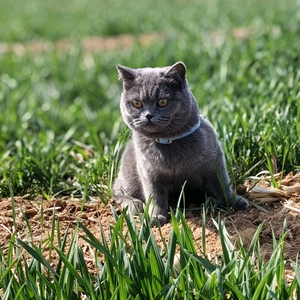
{"points": [[159, 214], [158, 209], [125, 200], [127, 192], [157, 194]]}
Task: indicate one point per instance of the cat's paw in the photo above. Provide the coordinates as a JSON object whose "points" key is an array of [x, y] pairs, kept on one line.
{"points": [[134, 205], [241, 203], [158, 220]]}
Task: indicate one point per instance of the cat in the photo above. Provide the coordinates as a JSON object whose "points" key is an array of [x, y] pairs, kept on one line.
{"points": [[171, 144]]}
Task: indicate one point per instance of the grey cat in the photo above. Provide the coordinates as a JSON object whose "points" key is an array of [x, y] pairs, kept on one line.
{"points": [[171, 144]]}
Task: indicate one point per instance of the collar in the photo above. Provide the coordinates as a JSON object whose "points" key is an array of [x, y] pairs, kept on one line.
{"points": [[177, 137]]}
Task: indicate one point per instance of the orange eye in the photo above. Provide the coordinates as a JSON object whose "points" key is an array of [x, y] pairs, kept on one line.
{"points": [[137, 104], [162, 102]]}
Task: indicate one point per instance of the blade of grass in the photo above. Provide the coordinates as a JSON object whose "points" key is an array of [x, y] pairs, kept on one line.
{"points": [[34, 252]]}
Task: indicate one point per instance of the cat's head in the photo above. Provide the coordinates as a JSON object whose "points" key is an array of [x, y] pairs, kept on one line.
{"points": [[157, 102]]}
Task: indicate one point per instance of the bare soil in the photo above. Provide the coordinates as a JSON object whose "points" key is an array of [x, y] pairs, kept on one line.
{"points": [[280, 205], [88, 44]]}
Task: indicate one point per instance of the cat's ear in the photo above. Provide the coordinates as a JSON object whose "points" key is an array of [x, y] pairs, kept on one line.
{"points": [[177, 73], [179, 68], [126, 74]]}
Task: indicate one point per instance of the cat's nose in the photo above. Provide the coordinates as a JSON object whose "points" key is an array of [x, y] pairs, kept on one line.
{"points": [[149, 116]]}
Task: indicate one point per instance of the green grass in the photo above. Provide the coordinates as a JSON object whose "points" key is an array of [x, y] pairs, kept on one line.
{"points": [[30, 19], [61, 131], [135, 267]]}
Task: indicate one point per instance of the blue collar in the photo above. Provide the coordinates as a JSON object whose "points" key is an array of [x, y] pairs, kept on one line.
{"points": [[170, 140]]}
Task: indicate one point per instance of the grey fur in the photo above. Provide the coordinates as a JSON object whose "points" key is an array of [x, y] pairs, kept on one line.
{"points": [[149, 169]]}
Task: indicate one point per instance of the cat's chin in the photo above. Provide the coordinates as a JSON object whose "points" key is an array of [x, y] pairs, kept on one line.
{"points": [[151, 135], [151, 130]]}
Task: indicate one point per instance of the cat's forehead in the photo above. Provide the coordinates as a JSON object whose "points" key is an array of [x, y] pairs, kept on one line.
{"points": [[150, 84], [153, 79], [148, 72], [154, 75]]}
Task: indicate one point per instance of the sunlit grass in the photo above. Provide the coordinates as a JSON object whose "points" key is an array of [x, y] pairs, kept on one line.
{"points": [[135, 267], [61, 133], [59, 108], [36, 20]]}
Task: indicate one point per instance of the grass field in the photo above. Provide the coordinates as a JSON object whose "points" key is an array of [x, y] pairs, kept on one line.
{"points": [[60, 127]]}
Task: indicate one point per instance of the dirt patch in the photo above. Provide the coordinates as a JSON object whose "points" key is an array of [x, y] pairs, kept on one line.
{"points": [[241, 224], [91, 44], [88, 44]]}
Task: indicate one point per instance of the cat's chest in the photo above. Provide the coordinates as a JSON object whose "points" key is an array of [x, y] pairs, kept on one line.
{"points": [[168, 158]]}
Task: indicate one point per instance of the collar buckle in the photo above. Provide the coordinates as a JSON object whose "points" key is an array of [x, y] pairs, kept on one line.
{"points": [[168, 141], [164, 140]]}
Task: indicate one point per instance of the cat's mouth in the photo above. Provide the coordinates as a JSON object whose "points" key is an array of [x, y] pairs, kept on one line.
{"points": [[150, 125], [150, 128]]}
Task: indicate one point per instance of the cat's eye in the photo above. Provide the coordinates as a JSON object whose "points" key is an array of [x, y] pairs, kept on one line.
{"points": [[162, 102], [137, 103]]}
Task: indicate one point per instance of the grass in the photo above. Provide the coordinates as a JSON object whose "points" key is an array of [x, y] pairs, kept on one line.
{"points": [[135, 267], [33, 20], [61, 132], [64, 104], [57, 107]]}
